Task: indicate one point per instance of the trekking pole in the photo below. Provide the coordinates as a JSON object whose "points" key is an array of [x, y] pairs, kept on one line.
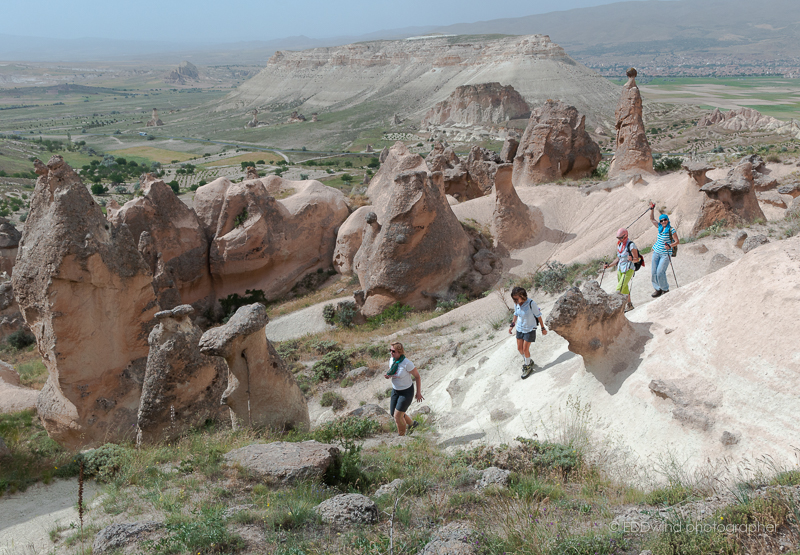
{"points": [[603, 274], [637, 219], [673, 268]]}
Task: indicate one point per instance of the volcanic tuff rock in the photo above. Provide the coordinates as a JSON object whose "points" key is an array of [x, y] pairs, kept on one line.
{"points": [[632, 150], [509, 150], [745, 119], [456, 180], [83, 289], [481, 168], [401, 258], [513, 222], [732, 199], [348, 508], [261, 390], [590, 320], [186, 71], [286, 462], [178, 243], [456, 538], [9, 241], [154, 120], [182, 388], [555, 145], [697, 171], [485, 103], [409, 76], [394, 161], [348, 240]]}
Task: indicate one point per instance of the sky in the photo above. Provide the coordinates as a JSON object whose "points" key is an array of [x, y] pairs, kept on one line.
{"points": [[247, 20]]}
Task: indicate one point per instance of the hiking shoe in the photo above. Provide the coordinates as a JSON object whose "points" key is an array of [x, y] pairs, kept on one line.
{"points": [[658, 293], [527, 370], [413, 425], [629, 307]]}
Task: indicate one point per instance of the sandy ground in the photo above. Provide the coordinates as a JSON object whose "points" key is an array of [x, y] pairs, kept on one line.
{"points": [[303, 322], [26, 518], [13, 397]]}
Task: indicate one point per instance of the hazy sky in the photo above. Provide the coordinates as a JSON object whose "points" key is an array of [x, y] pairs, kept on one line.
{"points": [[245, 20]]}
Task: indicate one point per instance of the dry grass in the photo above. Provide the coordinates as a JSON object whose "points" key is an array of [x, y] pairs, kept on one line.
{"points": [[268, 157], [332, 289], [160, 155]]}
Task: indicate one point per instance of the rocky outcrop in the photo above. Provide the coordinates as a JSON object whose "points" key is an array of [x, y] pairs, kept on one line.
{"points": [[87, 295], [285, 462], [253, 122], [481, 167], [456, 179], [493, 476], [513, 222], [262, 243], [182, 388], [697, 171], [155, 121], [176, 248], [185, 72], [394, 161], [509, 150], [9, 241], [118, 536], [261, 391], [348, 240], [481, 104], [754, 242], [296, 117], [732, 199], [742, 119], [373, 412], [632, 149], [401, 257], [456, 538], [348, 508], [555, 145], [10, 316], [590, 320], [15, 398]]}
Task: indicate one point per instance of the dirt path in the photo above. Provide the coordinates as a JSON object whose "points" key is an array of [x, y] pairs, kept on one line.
{"points": [[300, 323]]}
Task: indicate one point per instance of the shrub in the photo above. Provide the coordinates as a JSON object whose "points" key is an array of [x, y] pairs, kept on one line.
{"points": [[342, 314], [325, 346], [329, 314], [347, 469], [333, 399], [105, 462], [351, 427], [547, 455], [393, 313], [98, 189], [175, 186], [670, 495], [553, 279], [20, 339], [241, 218], [234, 302], [120, 189], [666, 163], [331, 365], [204, 532]]}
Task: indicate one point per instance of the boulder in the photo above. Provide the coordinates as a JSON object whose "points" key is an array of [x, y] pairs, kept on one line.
{"points": [[771, 197], [348, 508], [269, 245], [555, 145], [285, 462], [261, 391], [514, 223], [718, 261], [791, 189], [348, 240], [9, 241], [394, 161], [590, 320], [697, 171], [732, 199], [401, 257], [493, 476], [178, 242], [374, 412], [13, 397], [182, 388], [509, 150], [739, 238], [456, 538], [83, 289], [389, 489], [484, 103], [120, 535], [456, 179], [360, 372], [754, 242], [632, 150]]}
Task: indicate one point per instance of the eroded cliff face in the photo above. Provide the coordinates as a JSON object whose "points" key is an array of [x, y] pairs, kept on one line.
{"points": [[485, 103], [410, 76]]}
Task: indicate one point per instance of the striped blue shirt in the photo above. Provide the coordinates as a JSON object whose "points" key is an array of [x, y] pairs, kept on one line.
{"points": [[664, 236]]}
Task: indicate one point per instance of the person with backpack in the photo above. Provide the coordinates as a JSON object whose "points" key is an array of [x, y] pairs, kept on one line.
{"points": [[403, 374], [526, 317], [627, 262], [666, 241]]}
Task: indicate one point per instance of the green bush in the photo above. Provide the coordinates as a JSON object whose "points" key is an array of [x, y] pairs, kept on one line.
{"points": [[329, 314], [98, 189], [234, 302], [205, 531], [175, 186], [547, 455], [670, 495], [553, 279], [20, 339], [393, 313], [106, 461], [666, 163], [681, 536], [325, 346], [241, 218], [334, 400], [351, 427], [287, 350], [331, 365]]}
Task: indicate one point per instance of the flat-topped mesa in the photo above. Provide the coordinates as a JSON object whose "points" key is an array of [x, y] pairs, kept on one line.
{"points": [[176, 239], [732, 199], [182, 388], [555, 145], [590, 320], [485, 103], [632, 149], [413, 248], [261, 391], [87, 295], [513, 222]]}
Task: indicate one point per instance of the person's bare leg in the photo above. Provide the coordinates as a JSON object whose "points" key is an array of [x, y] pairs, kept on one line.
{"points": [[407, 418], [526, 349], [400, 420], [520, 346]]}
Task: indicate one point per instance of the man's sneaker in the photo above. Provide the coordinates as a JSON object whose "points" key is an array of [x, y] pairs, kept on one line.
{"points": [[629, 307], [527, 370], [413, 425], [665, 292], [658, 293]]}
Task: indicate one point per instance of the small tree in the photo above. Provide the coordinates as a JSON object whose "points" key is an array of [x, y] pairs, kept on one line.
{"points": [[98, 189], [175, 186]]}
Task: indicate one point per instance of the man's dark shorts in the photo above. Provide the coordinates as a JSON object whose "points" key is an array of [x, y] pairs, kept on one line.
{"points": [[530, 336], [401, 400]]}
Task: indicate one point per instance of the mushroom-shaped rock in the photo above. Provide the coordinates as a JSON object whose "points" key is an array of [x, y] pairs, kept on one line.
{"points": [[261, 390], [590, 320], [513, 222], [396, 160], [84, 290], [285, 462], [697, 171], [632, 150], [348, 508], [348, 240], [182, 388], [402, 258], [509, 150], [791, 189], [555, 145], [177, 238], [9, 241], [732, 199]]}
